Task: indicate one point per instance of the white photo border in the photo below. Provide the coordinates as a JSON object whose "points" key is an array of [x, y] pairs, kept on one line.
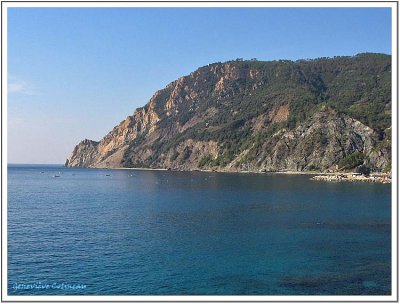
{"points": [[393, 5]]}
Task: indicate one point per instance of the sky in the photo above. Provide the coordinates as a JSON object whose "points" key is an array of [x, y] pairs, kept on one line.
{"points": [[75, 73]]}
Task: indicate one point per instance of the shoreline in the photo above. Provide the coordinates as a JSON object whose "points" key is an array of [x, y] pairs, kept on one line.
{"points": [[373, 178], [212, 171], [316, 175], [137, 169]]}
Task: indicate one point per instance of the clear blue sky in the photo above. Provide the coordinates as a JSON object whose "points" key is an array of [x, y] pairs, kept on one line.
{"points": [[74, 73]]}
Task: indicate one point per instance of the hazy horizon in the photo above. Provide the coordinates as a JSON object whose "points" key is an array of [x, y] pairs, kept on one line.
{"points": [[75, 73]]}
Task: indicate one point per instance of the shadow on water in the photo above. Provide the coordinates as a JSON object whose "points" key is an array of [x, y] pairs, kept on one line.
{"points": [[372, 279]]}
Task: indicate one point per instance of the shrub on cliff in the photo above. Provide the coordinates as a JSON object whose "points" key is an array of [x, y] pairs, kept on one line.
{"points": [[351, 161], [363, 169]]}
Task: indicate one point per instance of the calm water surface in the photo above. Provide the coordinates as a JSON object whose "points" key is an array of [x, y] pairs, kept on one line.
{"points": [[194, 233]]}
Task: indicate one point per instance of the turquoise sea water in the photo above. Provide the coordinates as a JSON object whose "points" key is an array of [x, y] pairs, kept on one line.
{"points": [[194, 233]]}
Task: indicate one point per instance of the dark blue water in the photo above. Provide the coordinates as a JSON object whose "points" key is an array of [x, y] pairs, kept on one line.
{"points": [[194, 233]]}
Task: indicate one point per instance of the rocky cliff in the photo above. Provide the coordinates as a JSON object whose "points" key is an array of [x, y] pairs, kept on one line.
{"points": [[323, 114]]}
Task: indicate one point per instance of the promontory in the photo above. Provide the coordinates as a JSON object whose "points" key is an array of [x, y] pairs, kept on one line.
{"points": [[324, 114]]}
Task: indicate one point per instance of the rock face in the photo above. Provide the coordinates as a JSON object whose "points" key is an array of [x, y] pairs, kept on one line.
{"points": [[84, 154], [252, 115], [319, 144]]}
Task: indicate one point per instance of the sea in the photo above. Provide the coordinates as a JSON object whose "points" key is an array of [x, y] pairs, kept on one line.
{"points": [[74, 231]]}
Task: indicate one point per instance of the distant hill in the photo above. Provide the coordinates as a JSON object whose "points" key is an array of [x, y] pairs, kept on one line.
{"points": [[322, 114]]}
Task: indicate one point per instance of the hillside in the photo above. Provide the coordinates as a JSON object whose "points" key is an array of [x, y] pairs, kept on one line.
{"points": [[322, 114]]}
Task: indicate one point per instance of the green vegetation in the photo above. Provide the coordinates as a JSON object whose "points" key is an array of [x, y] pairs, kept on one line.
{"points": [[222, 160], [358, 86], [352, 160], [364, 170], [174, 155], [313, 168], [205, 160], [388, 167]]}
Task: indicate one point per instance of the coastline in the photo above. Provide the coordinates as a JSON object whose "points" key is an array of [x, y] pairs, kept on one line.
{"points": [[217, 171], [377, 177], [137, 169], [373, 178]]}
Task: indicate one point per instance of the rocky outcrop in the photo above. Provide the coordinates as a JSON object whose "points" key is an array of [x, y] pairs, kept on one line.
{"points": [[84, 154], [318, 144], [109, 151], [269, 116]]}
